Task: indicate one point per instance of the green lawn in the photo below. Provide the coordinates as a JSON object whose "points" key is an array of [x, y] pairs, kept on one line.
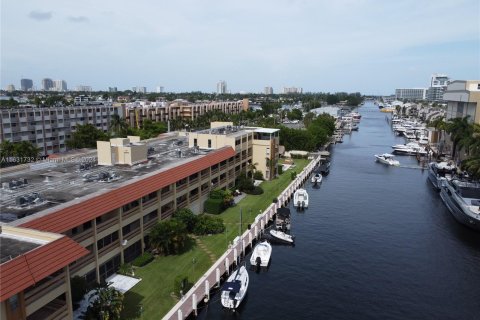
{"points": [[155, 289]]}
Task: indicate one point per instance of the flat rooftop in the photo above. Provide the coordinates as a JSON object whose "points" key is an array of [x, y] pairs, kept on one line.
{"points": [[11, 247], [225, 130], [45, 185]]}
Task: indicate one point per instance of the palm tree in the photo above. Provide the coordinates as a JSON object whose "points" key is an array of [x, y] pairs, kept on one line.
{"points": [[117, 125], [251, 167], [107, 306], [458, 128]]}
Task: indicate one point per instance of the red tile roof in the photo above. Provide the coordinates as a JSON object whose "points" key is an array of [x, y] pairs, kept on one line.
{"points": [[67, 218], [33, 266]]}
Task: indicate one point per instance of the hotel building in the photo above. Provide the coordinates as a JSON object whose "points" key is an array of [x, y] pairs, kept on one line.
{"points": [[99, 216], [411, 94]]}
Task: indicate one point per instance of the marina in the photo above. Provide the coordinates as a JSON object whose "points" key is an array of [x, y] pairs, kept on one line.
{"points": [[374, 244]]}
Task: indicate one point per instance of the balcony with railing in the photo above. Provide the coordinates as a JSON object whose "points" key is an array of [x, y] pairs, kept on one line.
{"points": [[149, 204], [106, 224], [167, 213], [82, 236], [214, 171], [130, 213], [108, 248], [82, 262], [55, 310], [35, 293], [132, 234], [148, 225], [181, 187]]}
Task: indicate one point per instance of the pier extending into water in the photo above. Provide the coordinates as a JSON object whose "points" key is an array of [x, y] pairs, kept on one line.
{"points": [[229, 260]]}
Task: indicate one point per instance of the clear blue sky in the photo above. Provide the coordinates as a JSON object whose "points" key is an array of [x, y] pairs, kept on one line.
{"points": [[371, 46]]}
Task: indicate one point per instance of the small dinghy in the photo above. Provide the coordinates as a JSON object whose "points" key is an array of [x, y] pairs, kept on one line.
{"points": [[261, 254]]}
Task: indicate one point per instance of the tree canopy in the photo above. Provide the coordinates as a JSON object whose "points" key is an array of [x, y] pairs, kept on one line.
{"points": [[86, 136]]}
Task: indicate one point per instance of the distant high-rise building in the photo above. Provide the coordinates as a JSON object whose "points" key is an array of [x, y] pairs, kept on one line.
{"points": [[112, 89], [287, 90], [59, 85], [139, 89], [10, 88], [222, 87], [268, 90], [438, 85], [47, 84], [411, 94], [82, 88], [26, 84], [159, 89]]}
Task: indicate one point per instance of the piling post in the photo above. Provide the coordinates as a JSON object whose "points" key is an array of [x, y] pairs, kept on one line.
{"points": [[179, 314], [207, 290], [217, 276], [194, 303], [227, 266]]}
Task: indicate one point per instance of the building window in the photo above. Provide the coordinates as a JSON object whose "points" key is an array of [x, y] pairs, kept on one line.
{"points": [[209, 143], [195, 143]]}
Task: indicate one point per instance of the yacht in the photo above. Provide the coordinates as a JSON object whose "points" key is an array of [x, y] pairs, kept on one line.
{"points": [[387, 159], [462, 198], [300, 199], [317, 178], [438, 172], [282, 236], [261, 254], [411, 148], [235, 288]]}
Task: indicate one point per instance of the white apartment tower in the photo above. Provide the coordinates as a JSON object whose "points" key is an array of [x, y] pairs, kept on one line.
{"points": [[268, 90], [59, 85], [222, 87]]}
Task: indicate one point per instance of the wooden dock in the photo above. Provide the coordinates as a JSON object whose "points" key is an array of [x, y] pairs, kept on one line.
{"points": [[200, 292]]}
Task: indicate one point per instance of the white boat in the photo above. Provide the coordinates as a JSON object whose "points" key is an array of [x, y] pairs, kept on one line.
{"points": [[411, 148], [235, 288], [261, 254], [300, 199], [387, 159], [317, 178], [281, 236]]}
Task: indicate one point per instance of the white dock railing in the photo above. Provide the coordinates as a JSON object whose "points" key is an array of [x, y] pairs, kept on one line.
{"points": [[211, 278]]}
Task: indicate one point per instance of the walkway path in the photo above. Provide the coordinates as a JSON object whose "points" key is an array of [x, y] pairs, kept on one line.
{"points": [[204, 248]]}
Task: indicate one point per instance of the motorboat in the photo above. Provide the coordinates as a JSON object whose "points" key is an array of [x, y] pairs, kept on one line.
{"points": [[438, 172], [300, 199], [411, 149], [325, 167], [235, 288], [282, 220], [282, 236], [387, 159], [462, 198], [317, 178], [261, 254]]}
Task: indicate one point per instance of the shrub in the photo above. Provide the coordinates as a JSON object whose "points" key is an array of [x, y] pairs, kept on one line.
{"points": [[280, 169], [208, 225], [258, 175], [126, 269], [244, 184], [213, 206], [217, 194], [181, 283], [142, 260], [293, 175], [255, 191], [187, 217]]}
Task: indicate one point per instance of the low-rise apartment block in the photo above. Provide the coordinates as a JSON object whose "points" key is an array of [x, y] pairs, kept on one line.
{"points": [[49, 128], [137, 112]]}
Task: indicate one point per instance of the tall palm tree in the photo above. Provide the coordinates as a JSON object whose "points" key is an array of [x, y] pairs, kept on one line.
{"points": [[458, 128], [252, 167], [117, 125]]}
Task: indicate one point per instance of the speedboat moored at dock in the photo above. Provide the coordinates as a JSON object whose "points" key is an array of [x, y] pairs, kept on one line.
{"points": [[282, 236], [300, 199], [261, 254], [235, 288]]}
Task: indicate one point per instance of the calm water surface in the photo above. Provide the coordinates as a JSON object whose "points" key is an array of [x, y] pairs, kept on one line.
{"points": [[376, 243]]}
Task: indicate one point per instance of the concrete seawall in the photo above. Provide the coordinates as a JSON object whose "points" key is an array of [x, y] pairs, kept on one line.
{"points": [[212, 278]]}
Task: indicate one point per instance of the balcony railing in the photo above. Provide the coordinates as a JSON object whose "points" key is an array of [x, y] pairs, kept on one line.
{"points": [[55, 310], [108, 248], [205, 191], [167, 213], [37, 292], [182, 204], [149, 224], [149, 203], [82, 262], [214, 171], [182, 187], [194, 197], [223, 167], [129, 213], [193, 181], [166, 194], [132, 234], [83, 235], [107, 224]]}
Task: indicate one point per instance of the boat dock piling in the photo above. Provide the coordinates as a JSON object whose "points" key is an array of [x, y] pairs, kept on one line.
{"points": [[212, 278]]}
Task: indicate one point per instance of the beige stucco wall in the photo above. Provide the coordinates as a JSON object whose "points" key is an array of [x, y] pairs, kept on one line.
{"points": [[104, 153], [216, 124]]}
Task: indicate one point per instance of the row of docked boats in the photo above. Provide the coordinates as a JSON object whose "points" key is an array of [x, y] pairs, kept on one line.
{"points": [[460, 195]]}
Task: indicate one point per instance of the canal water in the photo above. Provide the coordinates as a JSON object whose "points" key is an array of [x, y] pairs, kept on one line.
{"points": [[375, 243]]}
